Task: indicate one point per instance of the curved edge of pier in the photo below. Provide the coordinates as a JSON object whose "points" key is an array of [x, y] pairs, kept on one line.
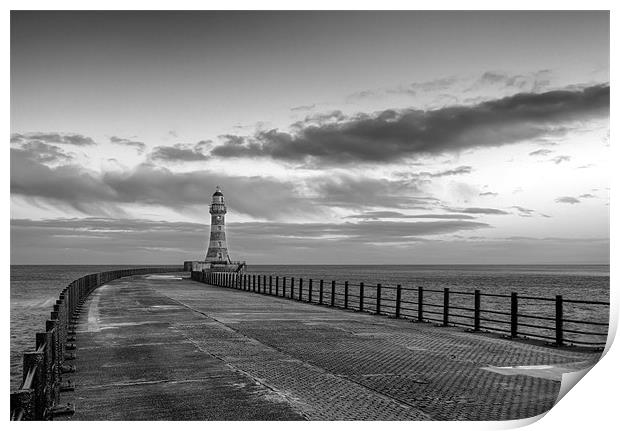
{"points": [[165, 347]]}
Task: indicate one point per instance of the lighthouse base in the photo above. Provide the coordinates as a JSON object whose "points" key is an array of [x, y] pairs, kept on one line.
{"points": [[199, 266]]}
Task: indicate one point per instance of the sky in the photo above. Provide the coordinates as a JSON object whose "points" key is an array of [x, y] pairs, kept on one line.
{"points": [[407, 137]]}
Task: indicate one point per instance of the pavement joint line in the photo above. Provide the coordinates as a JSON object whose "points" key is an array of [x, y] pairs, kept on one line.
{"points": [[148, 382], [381, 394], [260, 382]]}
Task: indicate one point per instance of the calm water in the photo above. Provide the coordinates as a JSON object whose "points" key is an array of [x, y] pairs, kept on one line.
{"points": [[34, 289]]}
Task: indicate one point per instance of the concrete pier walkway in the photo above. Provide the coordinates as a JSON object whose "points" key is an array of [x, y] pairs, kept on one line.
{"points": [[162, 347]]}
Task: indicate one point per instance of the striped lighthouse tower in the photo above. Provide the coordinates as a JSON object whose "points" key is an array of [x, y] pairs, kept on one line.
{"points": [[218, 250]]}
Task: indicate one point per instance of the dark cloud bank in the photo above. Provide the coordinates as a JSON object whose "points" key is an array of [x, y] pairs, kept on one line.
{"points": [[391, 135], [262, 197]]}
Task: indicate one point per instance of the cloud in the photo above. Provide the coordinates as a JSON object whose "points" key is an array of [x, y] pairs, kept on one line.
{"points": [[179, 153], [533, 82], [567, 200], [349, 191], [391, 135], [488, 194], [524, 212], [587, 196], [475, 210], [374, 215], [100, 193], [53, 138], [541, 152], [104, 193], [559, 159], [303, 107], [139, 146], [43, 153], [450, 172], [412, 89], [321, 118]]}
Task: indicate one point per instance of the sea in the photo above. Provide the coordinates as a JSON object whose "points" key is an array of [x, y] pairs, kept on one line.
{"points": [[34, 289]]}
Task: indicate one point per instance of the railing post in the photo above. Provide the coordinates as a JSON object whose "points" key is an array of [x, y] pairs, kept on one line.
{"points": [[346, 294], [514, 310], [292, 287], [361, 296], [34, 361], [264, 284], [379, 298], [398, 297], [333, 298], [284, 287], [253, 282], [559, 321], [446, 305], [310, 290], [51, 386], [277, 283], [301, 287], [22, 403], [270, 283], [321, 292], [476, 310], [420, 304]]}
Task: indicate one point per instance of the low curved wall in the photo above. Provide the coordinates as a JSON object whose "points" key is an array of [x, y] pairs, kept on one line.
{"points": [[39, 394]]}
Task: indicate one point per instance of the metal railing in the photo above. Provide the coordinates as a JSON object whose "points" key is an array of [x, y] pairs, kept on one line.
{"points": [[558, 321], [44, 368]]}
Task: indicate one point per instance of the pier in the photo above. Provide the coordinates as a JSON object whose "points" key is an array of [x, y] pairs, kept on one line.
{"points": [[165, 347]]}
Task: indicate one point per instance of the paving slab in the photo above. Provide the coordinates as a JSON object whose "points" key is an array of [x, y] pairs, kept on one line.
{"points": [[168, 348]]}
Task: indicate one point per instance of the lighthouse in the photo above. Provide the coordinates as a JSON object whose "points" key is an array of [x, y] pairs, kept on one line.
{"points": [[218, 250]]}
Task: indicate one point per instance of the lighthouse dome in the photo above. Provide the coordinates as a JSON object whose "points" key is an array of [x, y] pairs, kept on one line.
{"points": [[218, 193]]}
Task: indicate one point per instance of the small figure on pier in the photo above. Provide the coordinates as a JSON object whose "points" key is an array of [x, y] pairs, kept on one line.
{"points": [[218, 250]]}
